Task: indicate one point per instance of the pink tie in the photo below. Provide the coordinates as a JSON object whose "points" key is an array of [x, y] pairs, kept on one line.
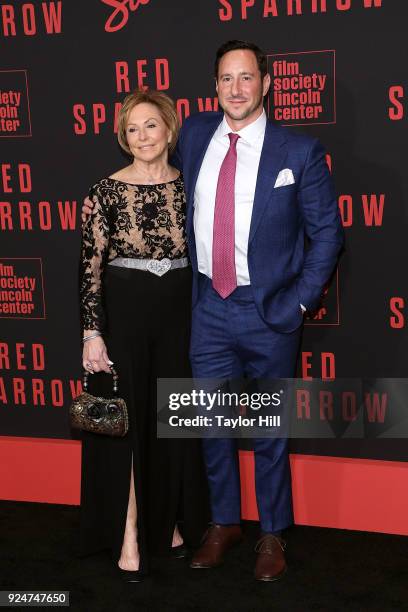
{"points": [[224, 277]]}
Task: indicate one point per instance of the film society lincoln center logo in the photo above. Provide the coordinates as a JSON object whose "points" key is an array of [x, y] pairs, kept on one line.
{"points": [[303, 87], [21, 288], [14, 104]]}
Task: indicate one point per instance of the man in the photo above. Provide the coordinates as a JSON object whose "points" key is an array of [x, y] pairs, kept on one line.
{"points": [[254, 190]]}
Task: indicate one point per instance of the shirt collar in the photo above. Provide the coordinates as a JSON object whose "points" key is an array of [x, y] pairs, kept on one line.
{"points": [[250, 133]]}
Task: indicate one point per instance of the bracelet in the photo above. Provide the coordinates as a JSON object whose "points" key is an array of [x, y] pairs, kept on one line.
{"points": [[95, 335]]}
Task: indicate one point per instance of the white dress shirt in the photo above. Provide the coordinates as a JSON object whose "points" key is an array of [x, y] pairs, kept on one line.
{"points": [[249, 147]]}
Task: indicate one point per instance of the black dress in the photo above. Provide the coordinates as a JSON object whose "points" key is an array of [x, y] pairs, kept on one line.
{"points": [[145, 320]]}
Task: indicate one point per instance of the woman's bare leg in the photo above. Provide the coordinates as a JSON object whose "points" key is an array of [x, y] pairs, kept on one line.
{"points": [[129, 557], [177, 538]]}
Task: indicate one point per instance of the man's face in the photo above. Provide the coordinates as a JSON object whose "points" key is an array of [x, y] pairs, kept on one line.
{"points": [[240, 87]]}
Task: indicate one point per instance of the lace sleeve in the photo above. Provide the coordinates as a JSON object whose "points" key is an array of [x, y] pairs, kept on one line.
{"points": [[94, 251]]}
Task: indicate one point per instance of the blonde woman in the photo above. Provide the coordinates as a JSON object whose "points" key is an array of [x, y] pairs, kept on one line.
{"points": [[136, 489]]}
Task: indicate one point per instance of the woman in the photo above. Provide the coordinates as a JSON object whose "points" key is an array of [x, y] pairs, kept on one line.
{"points": [[136, 488]]}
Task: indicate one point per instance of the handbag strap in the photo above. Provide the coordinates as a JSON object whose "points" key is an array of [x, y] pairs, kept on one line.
{"points": [[115, 380]]}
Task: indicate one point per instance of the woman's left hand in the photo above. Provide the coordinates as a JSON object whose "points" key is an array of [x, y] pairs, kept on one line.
{"points": [[95, 356]]}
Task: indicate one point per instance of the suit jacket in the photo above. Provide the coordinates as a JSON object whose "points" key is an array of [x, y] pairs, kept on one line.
{"points": [[283, 273]]}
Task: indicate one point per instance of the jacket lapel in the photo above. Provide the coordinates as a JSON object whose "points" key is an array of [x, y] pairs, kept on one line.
{"points": [[273, 155]]}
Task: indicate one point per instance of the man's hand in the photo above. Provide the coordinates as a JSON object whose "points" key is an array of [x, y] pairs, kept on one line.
{"points": [[86, 209], [95, 357]]}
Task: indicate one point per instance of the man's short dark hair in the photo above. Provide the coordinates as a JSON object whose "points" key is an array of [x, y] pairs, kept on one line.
{"points": [[234, 45]]}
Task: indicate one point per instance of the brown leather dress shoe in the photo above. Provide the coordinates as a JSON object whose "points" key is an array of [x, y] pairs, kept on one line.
{"points": [[270, 563], [216, 541]]}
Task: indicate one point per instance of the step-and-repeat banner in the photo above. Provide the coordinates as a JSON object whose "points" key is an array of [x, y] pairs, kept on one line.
{"points": [[338, 71]]}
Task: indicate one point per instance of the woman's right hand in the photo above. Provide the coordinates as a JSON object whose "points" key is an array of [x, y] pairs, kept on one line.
{"points": [[95, 356]]}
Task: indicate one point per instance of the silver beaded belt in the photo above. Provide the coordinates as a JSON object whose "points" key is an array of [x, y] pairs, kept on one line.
{"points": [[155, 266]]}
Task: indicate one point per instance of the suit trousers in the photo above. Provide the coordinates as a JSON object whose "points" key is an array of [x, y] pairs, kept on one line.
{"points": [[230, 340]]}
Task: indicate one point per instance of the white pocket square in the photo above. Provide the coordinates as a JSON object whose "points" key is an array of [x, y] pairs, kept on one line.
{"points": [[285, 177]]}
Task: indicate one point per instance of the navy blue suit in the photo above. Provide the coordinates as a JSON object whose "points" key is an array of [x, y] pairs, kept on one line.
{"points": [[256, 331]]}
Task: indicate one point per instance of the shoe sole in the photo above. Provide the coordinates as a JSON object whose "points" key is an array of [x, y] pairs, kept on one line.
{"points": [[274, 579], [206, 566], [130, 575]]}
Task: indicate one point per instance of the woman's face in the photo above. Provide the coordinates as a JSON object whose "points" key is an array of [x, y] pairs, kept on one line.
{"points": [[147, 134]]}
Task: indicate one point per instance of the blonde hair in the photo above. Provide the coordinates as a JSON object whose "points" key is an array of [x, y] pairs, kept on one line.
{"points": [[165, 106]]}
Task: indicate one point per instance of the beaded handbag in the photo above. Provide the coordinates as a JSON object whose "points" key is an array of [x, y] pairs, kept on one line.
{"points": [[98, 414]]}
